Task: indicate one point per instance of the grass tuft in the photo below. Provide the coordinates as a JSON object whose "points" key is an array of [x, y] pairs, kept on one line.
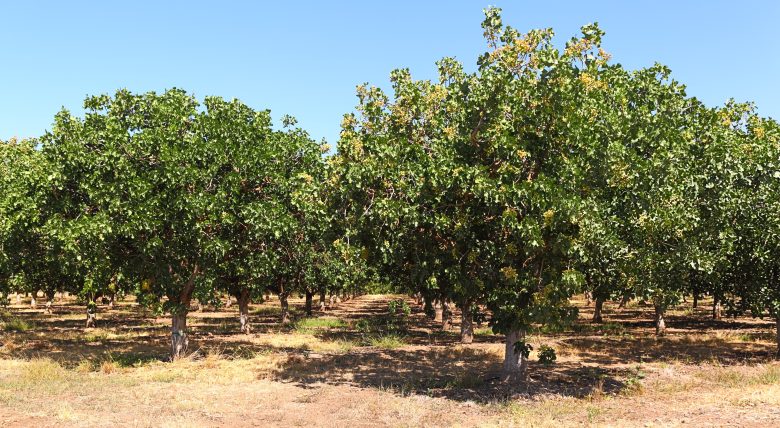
{"points": [[309, 325], [17, 324], [43, 370], [386, 341]]}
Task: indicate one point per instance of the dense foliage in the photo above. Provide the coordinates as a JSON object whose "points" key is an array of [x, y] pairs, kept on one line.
{"points": [[502, 191]]}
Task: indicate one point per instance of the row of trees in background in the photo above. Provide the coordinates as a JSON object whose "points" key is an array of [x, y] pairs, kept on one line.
{"points": [[502, 191]]}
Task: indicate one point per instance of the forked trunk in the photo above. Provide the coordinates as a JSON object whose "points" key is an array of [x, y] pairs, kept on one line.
{"points": [[179, 340], [243, 311], [660, 322], [309, 302], [467, 324], [515, 359], [597, 310]]}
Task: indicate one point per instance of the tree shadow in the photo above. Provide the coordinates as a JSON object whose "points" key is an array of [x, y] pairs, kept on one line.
{"points": [[461, 374]]}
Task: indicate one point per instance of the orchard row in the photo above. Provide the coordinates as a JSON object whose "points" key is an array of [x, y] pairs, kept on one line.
{"points": [[543, 173]]}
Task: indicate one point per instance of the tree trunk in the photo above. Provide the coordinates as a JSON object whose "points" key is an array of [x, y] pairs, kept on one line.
{"points": [[467, 324], [588, 298], [660, 322], [322, 300], [446, 315], [49, 301], [309, 302], [18, 299], [91, 314], [438, 312], [111, 300], [777, 335], [179, 339], [695, 300], [428, 308], [597, 310], [229, 301], [243, 310], [33, 303], [285, 315], [515, 361], [716, 311], [623, 302]]}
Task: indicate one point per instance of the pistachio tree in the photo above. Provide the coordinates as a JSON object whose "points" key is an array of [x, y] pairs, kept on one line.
{"points": [[471, 185]]}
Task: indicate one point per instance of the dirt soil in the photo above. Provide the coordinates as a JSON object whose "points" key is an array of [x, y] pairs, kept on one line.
{"points": [[356, 365]]}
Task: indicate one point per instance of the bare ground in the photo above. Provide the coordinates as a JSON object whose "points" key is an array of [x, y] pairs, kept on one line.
{"points": [[349, 367]]}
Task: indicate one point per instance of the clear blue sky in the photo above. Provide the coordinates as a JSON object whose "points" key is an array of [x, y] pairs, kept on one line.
{"points": [[305, 58]]}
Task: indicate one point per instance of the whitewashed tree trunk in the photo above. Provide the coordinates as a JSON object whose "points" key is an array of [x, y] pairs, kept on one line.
{"points": [[285, 315], [660, 322], [438, 312], [179, 339], [243, 311], [716, 310], [91, 315], [49, 301], [446, 316], [322, 300], [515, 361]]}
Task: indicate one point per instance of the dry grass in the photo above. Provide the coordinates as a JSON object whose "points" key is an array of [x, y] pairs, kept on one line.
{"points": [[353, 367]]}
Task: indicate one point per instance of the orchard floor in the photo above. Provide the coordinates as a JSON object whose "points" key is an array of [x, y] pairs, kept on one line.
{"points": [[347, 367]]}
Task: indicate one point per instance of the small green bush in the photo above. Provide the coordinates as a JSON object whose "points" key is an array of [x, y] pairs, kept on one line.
{"points": [[399, 307], [17, 324], [547, 355]]}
